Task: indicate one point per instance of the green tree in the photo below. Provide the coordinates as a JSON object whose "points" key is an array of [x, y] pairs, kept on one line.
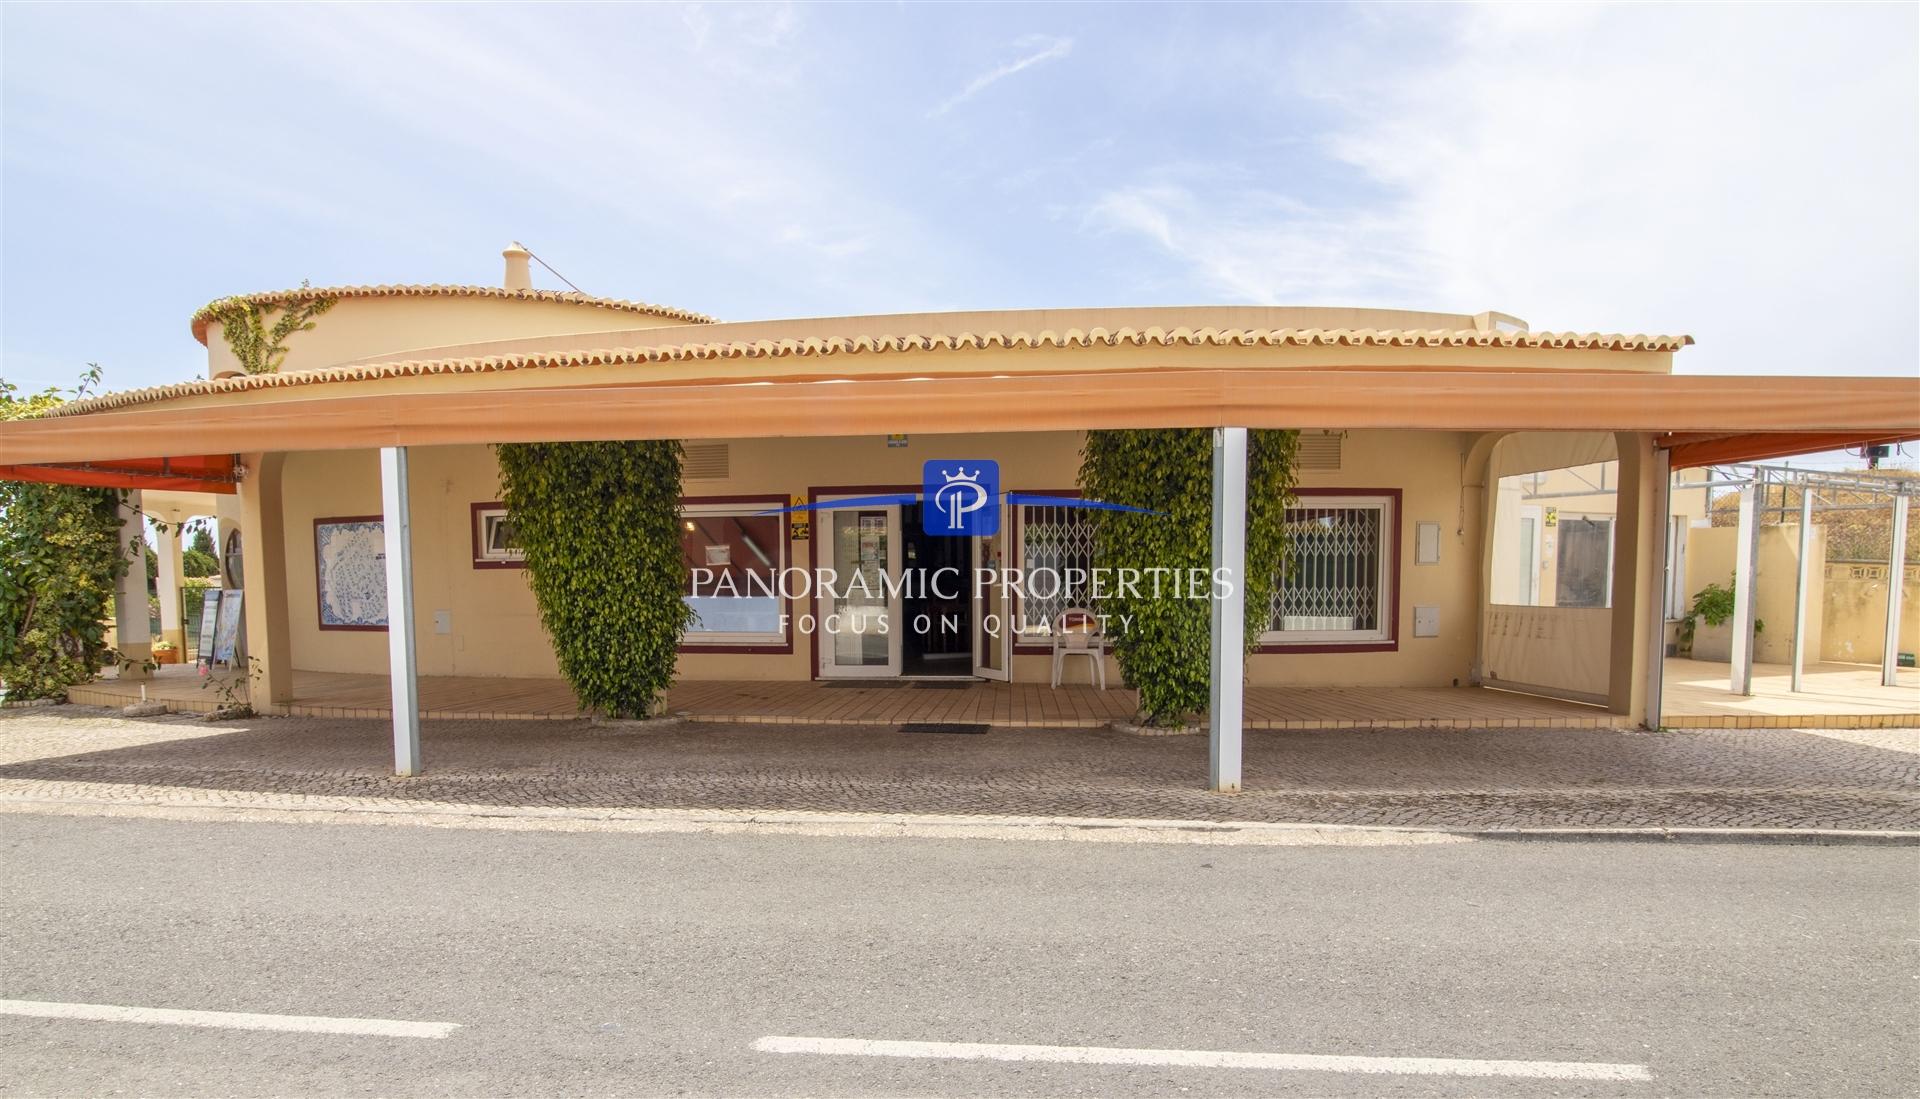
{"points": [[600, 525], [1164, 649], [198, 562], [202, 543], [60, 555]]}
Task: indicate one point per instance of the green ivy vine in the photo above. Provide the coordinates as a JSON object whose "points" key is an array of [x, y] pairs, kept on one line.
{"points": [[59, 561], [600, 525], [261, 347], [1164, 649]]}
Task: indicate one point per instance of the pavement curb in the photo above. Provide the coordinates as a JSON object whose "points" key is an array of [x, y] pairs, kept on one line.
{"points": [[1821, 837], [928, 826]]}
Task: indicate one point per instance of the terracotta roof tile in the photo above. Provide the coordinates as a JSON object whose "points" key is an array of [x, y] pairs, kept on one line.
{"points": [[881, 345], [274, 297]]}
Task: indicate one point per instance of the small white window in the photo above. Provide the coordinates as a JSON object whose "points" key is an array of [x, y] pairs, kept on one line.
{"points": [[1337, 585], [494, 542]]}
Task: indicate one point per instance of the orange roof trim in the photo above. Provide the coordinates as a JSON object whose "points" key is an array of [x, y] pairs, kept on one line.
{"points": [[1071, 339], [305, 293]]}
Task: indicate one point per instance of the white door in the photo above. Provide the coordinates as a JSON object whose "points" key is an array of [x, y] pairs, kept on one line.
{"points": [[860, 620], [1530, 555], [992, 633]]}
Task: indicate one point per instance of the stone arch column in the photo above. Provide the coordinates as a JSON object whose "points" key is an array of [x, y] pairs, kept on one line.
{"points": [[1640, 530], [263, 537]]}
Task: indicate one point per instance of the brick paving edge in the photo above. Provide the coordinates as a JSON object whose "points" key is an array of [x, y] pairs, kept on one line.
{"points": [[932, 826]]}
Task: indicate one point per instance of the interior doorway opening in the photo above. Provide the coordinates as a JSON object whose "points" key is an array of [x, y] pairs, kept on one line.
{"points": [[937, 609]]}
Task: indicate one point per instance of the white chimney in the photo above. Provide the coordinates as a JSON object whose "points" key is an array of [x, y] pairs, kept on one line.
{"points": [[518, 276]]}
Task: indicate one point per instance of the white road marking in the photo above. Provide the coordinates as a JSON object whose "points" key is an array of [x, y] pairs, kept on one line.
{"points": [[1194, 1058], [229, 1020]]}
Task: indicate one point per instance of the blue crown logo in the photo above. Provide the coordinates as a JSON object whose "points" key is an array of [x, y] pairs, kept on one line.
{"points": [[960, 497]]}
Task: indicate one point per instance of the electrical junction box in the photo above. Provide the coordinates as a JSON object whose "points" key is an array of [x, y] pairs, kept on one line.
{"points": [[1426, 621], [442, 621], [1426, 543]]}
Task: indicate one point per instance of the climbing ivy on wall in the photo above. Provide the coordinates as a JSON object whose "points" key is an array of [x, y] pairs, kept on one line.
{"points": [[262, 347], [1164, 650], [59, 559], [600, 525]]}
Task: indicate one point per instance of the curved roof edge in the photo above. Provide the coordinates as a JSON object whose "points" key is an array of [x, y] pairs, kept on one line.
{"points": [[908, 344], [204, 314]]}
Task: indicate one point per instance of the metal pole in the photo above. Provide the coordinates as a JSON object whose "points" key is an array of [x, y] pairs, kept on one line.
{"points": [[1228, 673], [1800, 586], [400, 653], [1896, 582], [1745, 552]]}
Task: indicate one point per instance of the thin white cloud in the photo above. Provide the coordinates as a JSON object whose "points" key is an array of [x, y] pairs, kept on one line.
{"points": [[1050, 49], [1745, 176]]}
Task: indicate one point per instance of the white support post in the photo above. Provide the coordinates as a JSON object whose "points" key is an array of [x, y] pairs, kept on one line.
{"points": [[1800, 587], [1655, 601], [1229, 619], [400, 652], [1896, 582], [166, 551], [1745, 553]]}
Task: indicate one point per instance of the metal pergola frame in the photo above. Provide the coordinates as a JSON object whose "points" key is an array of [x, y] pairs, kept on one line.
{"points": [[1755, 482]]}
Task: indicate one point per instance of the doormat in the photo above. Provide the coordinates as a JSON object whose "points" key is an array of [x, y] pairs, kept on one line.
{"points": [[941, 727], [864, 684], [943, 685]]}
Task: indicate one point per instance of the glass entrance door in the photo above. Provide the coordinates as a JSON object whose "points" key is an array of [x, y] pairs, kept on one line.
{"points": [[859, 626]]}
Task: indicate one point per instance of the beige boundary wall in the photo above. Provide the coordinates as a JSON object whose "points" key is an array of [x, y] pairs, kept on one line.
{"points": [[1856, 612], [494, 629], [1848, 600]]}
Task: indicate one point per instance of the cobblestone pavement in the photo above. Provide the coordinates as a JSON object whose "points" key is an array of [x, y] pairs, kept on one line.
{"points": [[1457, 779]]}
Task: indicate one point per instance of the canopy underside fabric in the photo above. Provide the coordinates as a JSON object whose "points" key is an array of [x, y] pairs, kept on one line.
{"points": [[189, 473], [1759, 447], [1695, 415]]}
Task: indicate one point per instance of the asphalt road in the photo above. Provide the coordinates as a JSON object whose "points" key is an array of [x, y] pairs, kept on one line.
{"points": [[599, 963]]}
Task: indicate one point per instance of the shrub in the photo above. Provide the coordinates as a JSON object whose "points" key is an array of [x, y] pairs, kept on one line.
{"points": [[60, 555], [600, 525], [1713, 605], [1164, 650]]}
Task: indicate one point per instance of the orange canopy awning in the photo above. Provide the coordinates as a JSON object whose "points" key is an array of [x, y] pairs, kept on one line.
{"points": [[1676, 409], [193, 473], [1693, 451]]}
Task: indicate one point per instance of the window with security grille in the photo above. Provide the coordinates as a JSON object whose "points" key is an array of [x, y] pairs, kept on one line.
{"points": [[1055, 542], [1336, 584]]}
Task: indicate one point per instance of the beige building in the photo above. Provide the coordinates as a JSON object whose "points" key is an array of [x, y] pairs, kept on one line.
{"points": [[1443, 529]]}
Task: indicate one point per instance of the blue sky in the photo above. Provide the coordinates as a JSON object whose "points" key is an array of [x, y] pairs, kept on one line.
{"points": [[1746, 175]]}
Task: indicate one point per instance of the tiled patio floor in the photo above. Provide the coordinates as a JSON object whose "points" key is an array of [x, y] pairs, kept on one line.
{"points": [[1006, 705], [1841, 696], [1838, 696]]}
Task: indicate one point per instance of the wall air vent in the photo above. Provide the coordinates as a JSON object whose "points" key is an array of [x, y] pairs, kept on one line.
{"points": [[706, 462], [1320, 450]]}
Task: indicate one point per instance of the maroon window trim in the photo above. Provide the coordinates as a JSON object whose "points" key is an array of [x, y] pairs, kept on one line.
{"points": [[1392, 643], [319, 610], [767, 502], [473, 534], [814, 493]]}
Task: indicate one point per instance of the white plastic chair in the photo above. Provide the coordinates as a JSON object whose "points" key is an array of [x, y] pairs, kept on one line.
{"points": [[1076, 632]]}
